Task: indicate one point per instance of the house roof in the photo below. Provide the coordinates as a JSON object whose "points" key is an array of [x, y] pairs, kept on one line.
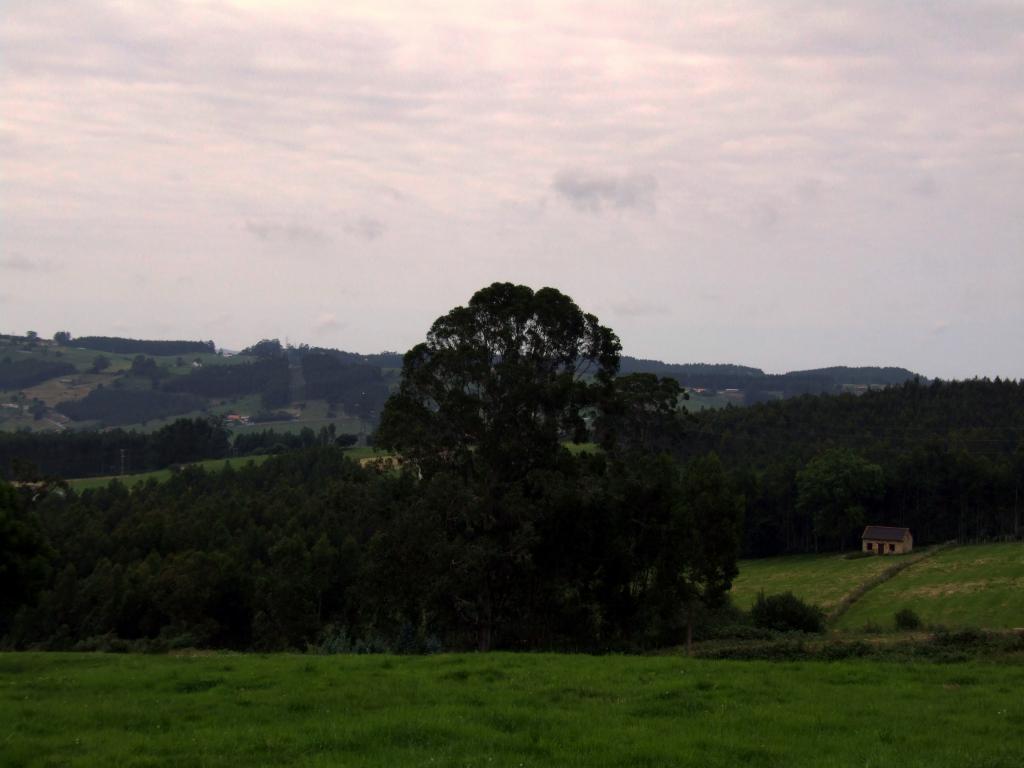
{"points": [[884, 532]]}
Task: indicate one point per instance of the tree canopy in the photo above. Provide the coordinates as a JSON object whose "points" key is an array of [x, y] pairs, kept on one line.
{"points": [[835, 489], [498, 381]]}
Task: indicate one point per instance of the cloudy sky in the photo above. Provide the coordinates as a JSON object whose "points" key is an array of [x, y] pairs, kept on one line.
{"points": [[780, 184]]}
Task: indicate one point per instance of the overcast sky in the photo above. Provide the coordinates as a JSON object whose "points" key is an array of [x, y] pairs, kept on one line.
{"points": [[786, 185]]}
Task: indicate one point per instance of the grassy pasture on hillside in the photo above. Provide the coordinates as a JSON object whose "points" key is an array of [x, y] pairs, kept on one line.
{"points": [[972, 586], [63, 388], [160, 475], [819, 579], [503, 710], [83, 358]]}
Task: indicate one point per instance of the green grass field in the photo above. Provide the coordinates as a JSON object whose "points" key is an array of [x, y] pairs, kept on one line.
{"points": [[160, 475], [503, 710], [819, 579], [973, 586], [709, 401]]}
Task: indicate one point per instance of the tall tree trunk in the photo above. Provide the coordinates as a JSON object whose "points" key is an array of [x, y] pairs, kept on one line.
{"points": [[1016, 511], [689, 628]]}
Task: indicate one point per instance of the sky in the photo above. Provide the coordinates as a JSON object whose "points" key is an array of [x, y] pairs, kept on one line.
{"points": [[786, 185]]}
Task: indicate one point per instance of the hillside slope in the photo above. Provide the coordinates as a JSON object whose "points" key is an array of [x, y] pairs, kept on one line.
{"points": [[979, 585], [972, 586]]}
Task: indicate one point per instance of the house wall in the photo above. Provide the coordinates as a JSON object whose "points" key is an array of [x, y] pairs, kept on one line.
{"points": [[901, 547]]}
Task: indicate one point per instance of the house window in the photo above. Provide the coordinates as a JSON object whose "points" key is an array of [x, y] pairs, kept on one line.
{"points": [[892, 547], [870, 545]]}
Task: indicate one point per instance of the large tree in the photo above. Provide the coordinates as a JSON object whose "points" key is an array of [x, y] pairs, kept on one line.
{"points": [[481, 410], [836, 489], [498, 382]]}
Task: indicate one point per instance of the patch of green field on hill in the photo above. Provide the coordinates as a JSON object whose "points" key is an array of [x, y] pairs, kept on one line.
{"points": [[80, 358], [708, 401], [342, 424], [83, 358], [366, 452], [74, 386], [819, 579], [503, 710], [578, 448], [160, 475], [971, 586]]}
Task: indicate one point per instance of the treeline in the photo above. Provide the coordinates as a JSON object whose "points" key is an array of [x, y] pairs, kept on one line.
{"points": [[759, 386], [356, 387], [864, 375], [949, 455], [978, 415], [122, 346], [269, 441], [309, 548], [29, 372], [27, 455], [726, 372], [269, 377], [118, 406]]}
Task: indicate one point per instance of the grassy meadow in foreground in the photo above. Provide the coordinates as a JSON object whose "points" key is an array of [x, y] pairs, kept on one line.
{"points": [[503, 710]]}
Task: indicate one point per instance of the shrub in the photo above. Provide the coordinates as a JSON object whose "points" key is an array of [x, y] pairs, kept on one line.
{"points": [[337, 640], [787, 613], [906, 618], [969, 636], [787, 649], [734, 632]]}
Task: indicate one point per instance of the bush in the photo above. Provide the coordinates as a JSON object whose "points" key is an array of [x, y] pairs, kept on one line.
{"points": [[967, 637], [733, 632], [786, 649], [906, 619], [337, 640], [787, 613]]}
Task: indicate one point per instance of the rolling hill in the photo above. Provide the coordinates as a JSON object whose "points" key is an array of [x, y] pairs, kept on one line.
{"points": [[99, 381]]}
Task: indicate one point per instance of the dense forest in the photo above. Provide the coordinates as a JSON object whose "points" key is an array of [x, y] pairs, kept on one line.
{"points": [[122, 346], [950, 454], [358, 388], [116, 407], [29, 455], [309, 548], [26, 373], [269, 378]]}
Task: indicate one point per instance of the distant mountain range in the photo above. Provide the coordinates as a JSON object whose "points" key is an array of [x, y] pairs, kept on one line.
{"points": [[754, 385], [99, 381]]}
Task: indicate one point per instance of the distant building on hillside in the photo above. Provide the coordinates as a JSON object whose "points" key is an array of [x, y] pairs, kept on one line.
{"points": [[886, 540]]}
